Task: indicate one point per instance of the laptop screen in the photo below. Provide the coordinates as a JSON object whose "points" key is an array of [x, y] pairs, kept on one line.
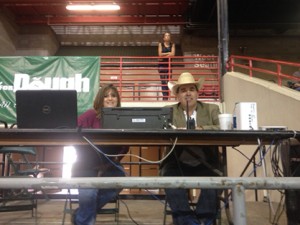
{"points": [[136, 117], [46, 108]]}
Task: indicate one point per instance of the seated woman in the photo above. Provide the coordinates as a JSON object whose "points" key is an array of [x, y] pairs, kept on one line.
{"points": [[91, 163]]}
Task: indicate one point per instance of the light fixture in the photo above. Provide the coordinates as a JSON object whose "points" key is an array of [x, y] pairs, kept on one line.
{"points": [[98, 7]]}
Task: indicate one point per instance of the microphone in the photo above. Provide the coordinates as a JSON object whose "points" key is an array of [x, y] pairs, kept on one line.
{"points": [[190, 123], [187, 114]]}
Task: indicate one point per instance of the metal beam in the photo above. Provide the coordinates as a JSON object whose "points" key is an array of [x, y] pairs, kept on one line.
{"points": [[237, 185], [100, 20], [152, 182]]}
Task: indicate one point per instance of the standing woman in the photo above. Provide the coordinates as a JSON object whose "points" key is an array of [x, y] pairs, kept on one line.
{"points": [[91, 163], [166, 49]]}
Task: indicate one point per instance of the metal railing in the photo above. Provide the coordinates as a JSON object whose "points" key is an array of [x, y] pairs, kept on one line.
{"points": [[280, 72], [237, 185], [138, 78]]}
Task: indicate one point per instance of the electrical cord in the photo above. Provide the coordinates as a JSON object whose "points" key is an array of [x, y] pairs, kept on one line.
{"points": [[262, 157], [144, 159], [101, 153], [277, 171], [128, 213], [260, 145], [275, 161], [279, 211], [239, 151]]}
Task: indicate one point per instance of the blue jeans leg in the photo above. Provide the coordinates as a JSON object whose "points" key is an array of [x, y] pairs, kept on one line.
{"points": [[90, 200], [179, 204], [87, 211], [207, 203], [107, 195]]}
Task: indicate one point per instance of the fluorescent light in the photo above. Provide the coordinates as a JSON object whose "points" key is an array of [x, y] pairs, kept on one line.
{"points": [[100, 7]]}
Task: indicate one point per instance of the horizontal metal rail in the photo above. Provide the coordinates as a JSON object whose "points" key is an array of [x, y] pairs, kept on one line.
{"points": [[152, 182], [140, 79], [280, 72], [237, 185]]}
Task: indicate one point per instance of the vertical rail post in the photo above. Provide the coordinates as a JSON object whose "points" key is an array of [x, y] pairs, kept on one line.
{"points": [[239, 206]]}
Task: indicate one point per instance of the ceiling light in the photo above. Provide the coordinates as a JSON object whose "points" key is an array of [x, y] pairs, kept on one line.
{"points": [[99, 7]]}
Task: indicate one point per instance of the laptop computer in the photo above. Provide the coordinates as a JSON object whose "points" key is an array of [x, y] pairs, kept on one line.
{"points": [[136, 117], [46, 108]]}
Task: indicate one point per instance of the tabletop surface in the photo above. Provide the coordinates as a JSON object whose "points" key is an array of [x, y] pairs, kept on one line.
{"points": [[141, 137]]}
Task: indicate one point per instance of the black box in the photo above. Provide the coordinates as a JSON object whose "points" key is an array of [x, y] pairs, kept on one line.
{"points": [[136, 117]]}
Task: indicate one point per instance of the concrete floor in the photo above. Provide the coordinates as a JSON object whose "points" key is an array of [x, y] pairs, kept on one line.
{"points": [[138, 212]]}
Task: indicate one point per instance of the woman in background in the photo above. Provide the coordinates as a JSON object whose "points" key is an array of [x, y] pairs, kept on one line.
{"points": [[166, 49]]}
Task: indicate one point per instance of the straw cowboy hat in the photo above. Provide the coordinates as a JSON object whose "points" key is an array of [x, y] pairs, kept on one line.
{"points": [[184, 78]]}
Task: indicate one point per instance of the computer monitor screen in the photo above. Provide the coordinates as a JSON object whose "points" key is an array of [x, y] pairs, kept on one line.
{"points": [[136, 117], [46, 108]]}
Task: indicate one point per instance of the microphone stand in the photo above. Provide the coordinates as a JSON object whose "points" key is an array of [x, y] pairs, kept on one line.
{"points": [[190, 123], [187, 115]]}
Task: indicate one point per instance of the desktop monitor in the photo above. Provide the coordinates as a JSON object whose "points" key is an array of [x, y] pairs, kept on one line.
{"points": [[136, 117], [46, 108]]}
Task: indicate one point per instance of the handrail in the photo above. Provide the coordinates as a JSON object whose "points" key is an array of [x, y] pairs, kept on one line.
{"points": [[138, 78], [280, 72], [237, 185], [251, 183]]}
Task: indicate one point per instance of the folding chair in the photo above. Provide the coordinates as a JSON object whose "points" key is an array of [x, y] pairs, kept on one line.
{"points": [[19, 199], [112, 207]]}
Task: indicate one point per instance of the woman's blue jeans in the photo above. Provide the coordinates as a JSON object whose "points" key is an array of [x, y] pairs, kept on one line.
{"points": [[91, 200]]}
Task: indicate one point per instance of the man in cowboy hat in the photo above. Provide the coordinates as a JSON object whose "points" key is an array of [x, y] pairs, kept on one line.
{"points": [[189, 113]]}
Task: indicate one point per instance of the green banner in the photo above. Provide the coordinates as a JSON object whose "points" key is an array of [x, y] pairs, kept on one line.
{"points": [[58, 73]]}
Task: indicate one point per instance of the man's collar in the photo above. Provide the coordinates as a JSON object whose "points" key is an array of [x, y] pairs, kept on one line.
{"points": [[183, 109]]}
